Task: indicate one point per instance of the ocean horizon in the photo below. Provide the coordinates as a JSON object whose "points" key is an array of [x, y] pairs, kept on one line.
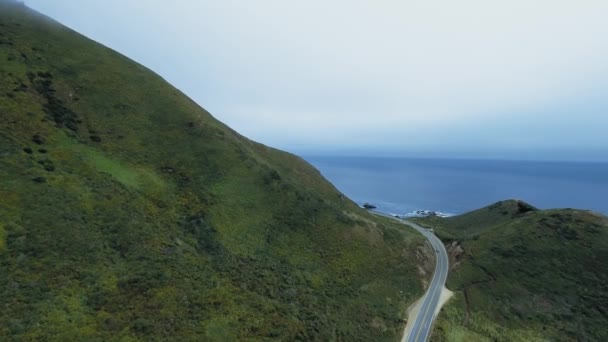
{"points": [[402, 186]]}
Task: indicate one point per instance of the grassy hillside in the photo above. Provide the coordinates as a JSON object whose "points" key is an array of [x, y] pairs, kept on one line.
{"points": [[523, 274], [127, 212], [474, 223]]}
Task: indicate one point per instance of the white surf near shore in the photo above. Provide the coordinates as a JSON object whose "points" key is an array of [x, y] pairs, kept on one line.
{"points": [[424, 213], [382, 207]]}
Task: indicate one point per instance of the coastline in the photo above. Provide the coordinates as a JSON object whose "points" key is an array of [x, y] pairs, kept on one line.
{"points": [[409, 214], [402, 186]]}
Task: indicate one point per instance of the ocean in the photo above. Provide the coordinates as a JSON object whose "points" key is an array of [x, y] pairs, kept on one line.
{"points": [[402, 186]]}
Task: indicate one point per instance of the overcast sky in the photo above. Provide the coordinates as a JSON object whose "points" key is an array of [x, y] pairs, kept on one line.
{"points": [[514, 79]]}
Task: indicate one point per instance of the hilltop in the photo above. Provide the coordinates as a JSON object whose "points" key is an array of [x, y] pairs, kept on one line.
{"points": [[128, 212], [477, 222], [523, 274]]}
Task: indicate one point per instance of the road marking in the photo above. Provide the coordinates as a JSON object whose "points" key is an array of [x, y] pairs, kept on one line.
{"points": [[422, 321]]}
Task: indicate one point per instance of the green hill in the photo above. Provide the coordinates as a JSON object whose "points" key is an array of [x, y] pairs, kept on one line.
{"points": [[471, 224], [127, 212], [523, 274]]}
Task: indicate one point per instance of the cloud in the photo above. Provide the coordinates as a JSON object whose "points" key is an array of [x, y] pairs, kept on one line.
{"points": [[352, 73]]}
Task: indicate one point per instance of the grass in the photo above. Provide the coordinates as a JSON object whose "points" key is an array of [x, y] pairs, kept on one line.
{"points": [[524, 274], [127, 212], [2, 237], [478, 327]]}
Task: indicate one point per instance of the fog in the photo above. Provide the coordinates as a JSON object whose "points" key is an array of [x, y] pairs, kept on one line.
{"points": [[516, 79]]}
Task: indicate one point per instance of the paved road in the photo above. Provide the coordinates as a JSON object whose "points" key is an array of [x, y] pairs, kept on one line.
{"points": [[421, 329]]}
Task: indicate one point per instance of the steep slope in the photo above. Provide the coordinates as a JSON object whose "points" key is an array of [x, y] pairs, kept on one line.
{"points": [[128, 212], [527, 275]]}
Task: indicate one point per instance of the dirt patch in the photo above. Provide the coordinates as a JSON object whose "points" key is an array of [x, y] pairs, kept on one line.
{"points": [[414, 310], [423, 273], [445, 296], [426, 262], [412, 314], [455, 253]]}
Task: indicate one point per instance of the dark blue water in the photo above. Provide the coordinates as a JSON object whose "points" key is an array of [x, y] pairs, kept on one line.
{"points": [[399, 185]]}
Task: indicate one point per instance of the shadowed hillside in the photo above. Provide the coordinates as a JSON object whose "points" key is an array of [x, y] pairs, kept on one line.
{"points": [[523, 274], [128, 212]]}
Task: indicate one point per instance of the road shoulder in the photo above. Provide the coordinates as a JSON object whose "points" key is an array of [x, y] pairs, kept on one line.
{"points": [[444, 298], [412, 315]]}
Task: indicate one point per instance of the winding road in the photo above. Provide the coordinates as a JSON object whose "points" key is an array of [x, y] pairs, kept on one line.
{"points": [[421, 329]]}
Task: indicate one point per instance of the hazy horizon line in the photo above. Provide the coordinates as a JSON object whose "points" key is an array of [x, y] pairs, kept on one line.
{"points": [[338, 154]]}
